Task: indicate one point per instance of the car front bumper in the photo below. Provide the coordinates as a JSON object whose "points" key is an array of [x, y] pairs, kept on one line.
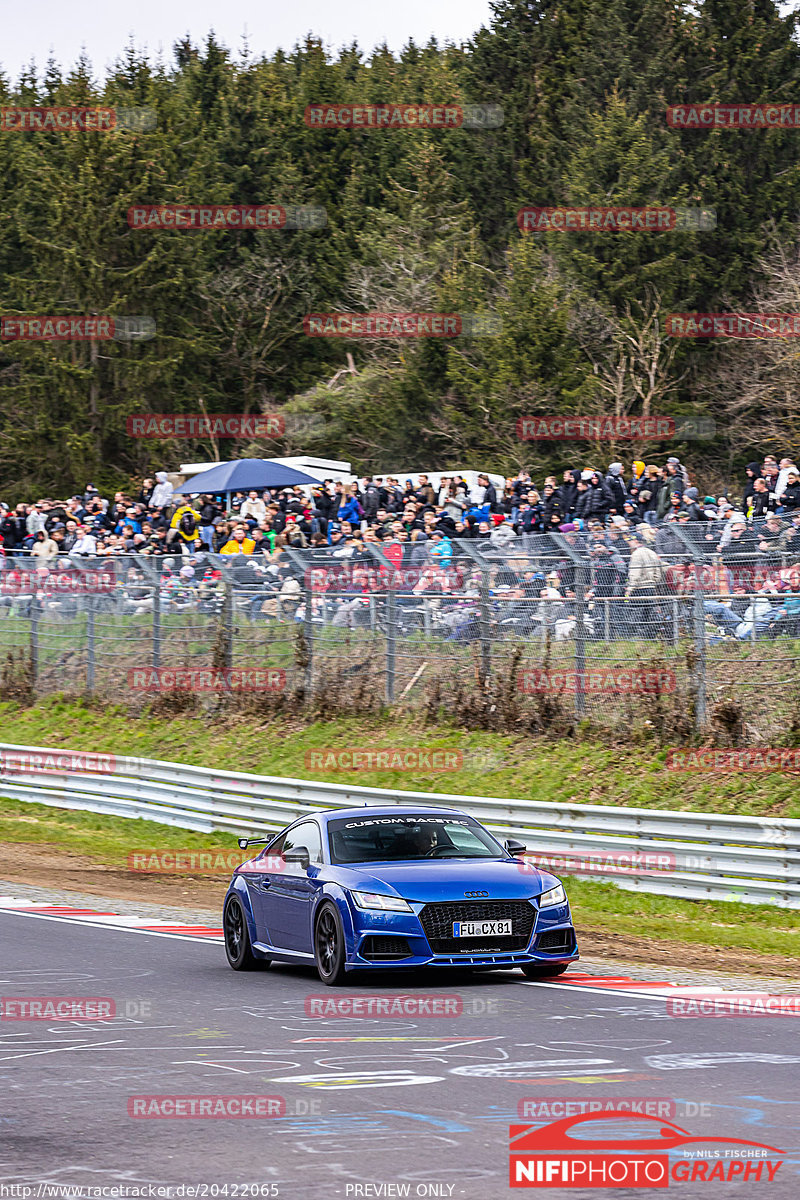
{"points": [[382, 940]]}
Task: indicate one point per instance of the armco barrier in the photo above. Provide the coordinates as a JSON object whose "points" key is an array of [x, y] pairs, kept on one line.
{"points": [[715, 857]]}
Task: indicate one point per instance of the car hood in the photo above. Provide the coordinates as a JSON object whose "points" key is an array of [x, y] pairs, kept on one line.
{"points": [[448, 879]]}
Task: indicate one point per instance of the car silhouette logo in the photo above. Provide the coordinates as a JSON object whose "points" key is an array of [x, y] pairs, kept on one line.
{"points": [[475, 895], [660, 1134]]}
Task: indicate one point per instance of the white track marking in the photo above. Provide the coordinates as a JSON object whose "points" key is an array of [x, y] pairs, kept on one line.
{"points": [[182, 937]]}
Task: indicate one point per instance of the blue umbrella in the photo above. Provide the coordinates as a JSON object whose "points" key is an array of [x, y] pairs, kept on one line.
{"points": [[245, 475]]}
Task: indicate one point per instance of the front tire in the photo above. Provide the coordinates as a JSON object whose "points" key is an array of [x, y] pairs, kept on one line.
{"points": [[237, 939], [543, 970], [329, 950]]}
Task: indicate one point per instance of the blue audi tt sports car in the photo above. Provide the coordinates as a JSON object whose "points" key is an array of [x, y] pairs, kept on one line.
{"points": [[365, 888]]}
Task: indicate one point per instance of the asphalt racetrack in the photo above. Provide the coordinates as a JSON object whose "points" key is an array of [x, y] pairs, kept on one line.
{"points": [[362, 1106]]}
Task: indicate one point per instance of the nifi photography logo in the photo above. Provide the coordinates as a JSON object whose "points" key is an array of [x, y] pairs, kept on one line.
{"points": [[592, 1150]]}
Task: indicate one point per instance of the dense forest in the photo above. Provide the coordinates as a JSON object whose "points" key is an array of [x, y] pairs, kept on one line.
{"points": [[417, 220]]}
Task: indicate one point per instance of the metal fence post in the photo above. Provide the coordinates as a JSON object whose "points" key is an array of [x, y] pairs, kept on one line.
{"points": [[35, 614], [304, 562], [90, 646], [227, 625], [699, 628], [485, 610], [580, 629], [308, 634], [486, 624], [391, 640], [391, 619], [580, 641], [156, 627], [700, 651]]}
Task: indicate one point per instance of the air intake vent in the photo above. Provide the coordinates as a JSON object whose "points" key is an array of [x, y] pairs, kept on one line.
{"points": [[384, 949], [557, 941]]}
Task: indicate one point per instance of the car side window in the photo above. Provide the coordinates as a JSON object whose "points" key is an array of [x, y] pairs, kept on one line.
{"points": [[274, 848], [306, 834]]}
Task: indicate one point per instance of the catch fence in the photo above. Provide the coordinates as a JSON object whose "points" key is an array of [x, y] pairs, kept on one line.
{"points": [[552, 628]]}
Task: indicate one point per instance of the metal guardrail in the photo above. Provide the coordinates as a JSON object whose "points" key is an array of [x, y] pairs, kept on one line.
{"points": [[752, 860]]}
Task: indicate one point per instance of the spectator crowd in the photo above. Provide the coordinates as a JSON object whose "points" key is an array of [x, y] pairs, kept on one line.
{"points": [[644, 535]]}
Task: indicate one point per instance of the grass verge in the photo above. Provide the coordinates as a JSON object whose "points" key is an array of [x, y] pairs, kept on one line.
{"points": [[580, 769]]}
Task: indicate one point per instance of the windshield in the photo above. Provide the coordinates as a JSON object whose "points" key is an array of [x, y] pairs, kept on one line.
{"points": [[408, 836]]}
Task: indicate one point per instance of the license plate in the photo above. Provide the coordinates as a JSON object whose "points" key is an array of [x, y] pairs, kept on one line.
{"points": [[481, 929]]}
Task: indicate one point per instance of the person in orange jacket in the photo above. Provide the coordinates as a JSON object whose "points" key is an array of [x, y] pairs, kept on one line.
{"points": [[239, 543]]}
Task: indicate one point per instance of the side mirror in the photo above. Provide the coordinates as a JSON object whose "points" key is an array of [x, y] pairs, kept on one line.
{"points": [[514, 847], [300, 856]]}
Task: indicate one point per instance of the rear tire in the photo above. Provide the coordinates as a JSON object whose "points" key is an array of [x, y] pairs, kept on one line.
{"points": [[543, 970], [237, 939], [329, 950]]}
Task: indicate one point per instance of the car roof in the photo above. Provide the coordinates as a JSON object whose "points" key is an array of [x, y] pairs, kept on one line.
{"points": [[384, 810]]}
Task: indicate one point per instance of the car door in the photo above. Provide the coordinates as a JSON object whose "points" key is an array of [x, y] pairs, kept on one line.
{"points": [[290, 894], [258, 881]]}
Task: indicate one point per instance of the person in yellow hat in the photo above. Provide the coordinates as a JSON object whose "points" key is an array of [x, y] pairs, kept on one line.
{"points": [[638, 480]]}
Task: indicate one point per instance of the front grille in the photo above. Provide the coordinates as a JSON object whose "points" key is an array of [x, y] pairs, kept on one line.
{"points": [[384, 948], [437, 921], [557, 941]]}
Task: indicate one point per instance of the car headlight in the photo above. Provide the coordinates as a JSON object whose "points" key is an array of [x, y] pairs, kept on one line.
{"points": [[382, 903], [556, 895]]}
